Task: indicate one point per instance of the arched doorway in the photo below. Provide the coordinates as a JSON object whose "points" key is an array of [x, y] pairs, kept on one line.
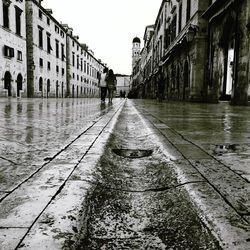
{"points": [[186, 79], [41, 85], [57, 89], [19, 82], [7, 82], [48, 87]]}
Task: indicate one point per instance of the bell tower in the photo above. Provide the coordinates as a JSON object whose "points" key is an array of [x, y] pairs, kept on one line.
{"points": [[136, 49]]}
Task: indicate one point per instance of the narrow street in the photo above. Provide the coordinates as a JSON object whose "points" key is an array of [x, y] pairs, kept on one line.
{"points": [[133, 175]]}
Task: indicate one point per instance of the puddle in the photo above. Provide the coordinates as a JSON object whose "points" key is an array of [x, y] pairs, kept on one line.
{"points": [[226, 148]]}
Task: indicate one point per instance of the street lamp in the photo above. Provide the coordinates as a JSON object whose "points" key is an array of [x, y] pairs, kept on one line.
{"points": [[191, 32]]}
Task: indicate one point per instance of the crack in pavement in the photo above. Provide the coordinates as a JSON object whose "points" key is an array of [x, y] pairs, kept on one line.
{"points": [[13, 227], [1, 157], [160, 189]]}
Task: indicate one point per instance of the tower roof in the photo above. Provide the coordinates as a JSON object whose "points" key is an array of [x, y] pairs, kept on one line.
{"points": [[136, 40]]}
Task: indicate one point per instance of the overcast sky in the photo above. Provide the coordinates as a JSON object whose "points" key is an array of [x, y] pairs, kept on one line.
{"points": [[107, 26]]}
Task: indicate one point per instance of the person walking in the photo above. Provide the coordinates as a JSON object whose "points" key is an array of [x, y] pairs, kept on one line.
{"points": [[111, 84], [103, 84]]}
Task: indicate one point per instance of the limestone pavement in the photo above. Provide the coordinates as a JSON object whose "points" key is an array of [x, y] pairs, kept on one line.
{"points": [[63, 185]]}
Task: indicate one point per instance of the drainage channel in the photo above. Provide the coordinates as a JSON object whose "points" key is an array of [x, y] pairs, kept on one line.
{"points": [[132, 206]]}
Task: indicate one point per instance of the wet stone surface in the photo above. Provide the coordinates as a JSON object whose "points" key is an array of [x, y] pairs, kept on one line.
{"points": [[32, 131], [138, 203]]}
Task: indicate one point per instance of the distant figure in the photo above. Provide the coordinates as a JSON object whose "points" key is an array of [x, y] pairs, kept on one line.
{"points": [[103, 84], [124, 94], [111, 84], [121, 93]]}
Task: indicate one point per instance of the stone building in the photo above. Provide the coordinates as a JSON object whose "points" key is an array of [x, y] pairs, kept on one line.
{"points": [[184, 53], [147, 64], [136, 66], [82, 68], [122, 86], [46, 52], [13, 68], [41, 57], [202, 48], [228, 51]]}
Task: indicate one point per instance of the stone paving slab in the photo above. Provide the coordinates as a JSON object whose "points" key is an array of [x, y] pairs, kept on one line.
{"points": [[230, 229], [10, 237], [234, 188], [22, 207], [191, 151], [60, 222]]}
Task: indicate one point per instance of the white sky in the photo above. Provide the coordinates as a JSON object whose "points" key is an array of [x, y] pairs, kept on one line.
{"points": [[107, 26]]}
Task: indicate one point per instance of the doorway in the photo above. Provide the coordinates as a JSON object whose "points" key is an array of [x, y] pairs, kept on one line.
{"points": [[19, 85], [7, 82], [186, 80]]}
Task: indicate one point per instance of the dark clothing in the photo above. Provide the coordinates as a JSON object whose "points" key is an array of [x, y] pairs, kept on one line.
{"points": [[103, 93]]}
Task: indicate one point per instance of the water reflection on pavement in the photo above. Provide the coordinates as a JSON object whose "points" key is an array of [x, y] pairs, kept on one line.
{"points": [[34, 129]]}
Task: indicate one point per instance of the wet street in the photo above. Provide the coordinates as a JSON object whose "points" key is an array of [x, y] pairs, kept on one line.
{"points": [[137, 174]]}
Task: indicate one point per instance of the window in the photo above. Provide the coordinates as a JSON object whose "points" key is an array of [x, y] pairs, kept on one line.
{"points": [[57, 69], [73, 43], [81, 64], [73, 75], [57, 30], [180, 17], [62, 52], [63, 71], [77, 62], [87, 69], [40, 14], [48, 21], [73, 59], [6, 23], [41, 62], [84, 66], [62, 34], [48, 43], [57, 49], [173, 28], [49, 66], [18, 21], [19, 55], [188, 10], [40, 38], [8, 51], [77, 77]]}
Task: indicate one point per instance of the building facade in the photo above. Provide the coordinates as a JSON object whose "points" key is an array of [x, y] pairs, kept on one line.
{"points": [[42, 57], [122, 86], [13, 69], [46, 52], [228, 52], [202, 48], [82, 68]]}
